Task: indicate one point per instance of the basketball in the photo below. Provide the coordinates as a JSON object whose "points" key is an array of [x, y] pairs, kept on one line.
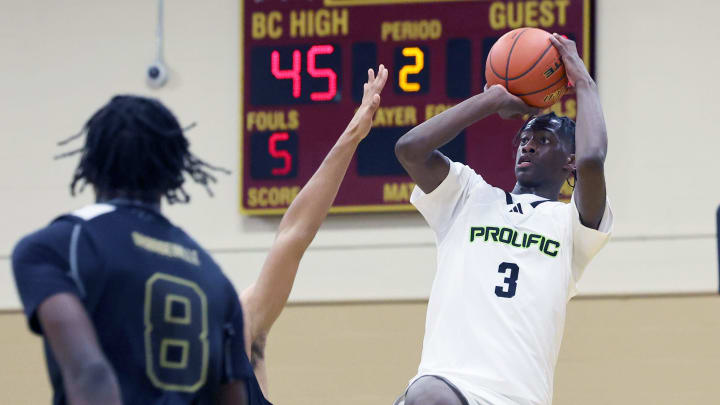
{"points": [[526, 63]]}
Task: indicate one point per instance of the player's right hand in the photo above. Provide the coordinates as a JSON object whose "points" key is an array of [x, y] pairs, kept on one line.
{"points": [[509, 106], [362, 120]]}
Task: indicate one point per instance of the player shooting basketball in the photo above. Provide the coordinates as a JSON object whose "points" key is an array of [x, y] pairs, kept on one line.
{"points": [[507, 262], [132, 310]]}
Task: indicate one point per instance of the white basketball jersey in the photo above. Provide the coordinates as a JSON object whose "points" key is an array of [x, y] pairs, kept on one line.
{"points": [[507, 266]]}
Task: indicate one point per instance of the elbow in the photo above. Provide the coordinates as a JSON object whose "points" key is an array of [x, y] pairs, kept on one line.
{"points": [[406, 150], [401, 148], [296, 239], [92, 380], [95, 372]]}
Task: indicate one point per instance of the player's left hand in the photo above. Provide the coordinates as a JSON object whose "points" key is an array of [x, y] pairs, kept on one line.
{"points": [[574, 65], [362, 120]]}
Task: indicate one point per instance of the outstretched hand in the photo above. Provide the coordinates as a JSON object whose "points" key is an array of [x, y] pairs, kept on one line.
{"points": [[574, 65], [509, 106], [362, 120]]}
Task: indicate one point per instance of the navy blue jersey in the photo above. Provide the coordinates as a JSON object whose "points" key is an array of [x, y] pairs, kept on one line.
{"points": [[168, 320]]}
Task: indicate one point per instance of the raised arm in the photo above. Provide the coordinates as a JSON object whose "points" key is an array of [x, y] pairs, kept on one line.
{"points": [[417, 149], [590, 136], [264, 300], [87, 376]]}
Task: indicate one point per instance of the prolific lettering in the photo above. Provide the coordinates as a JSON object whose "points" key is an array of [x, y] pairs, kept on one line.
{"points": [[533, 13], [514, 238]]}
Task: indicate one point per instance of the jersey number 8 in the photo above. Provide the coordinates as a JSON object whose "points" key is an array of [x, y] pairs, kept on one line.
{"points": [[176, 345]]}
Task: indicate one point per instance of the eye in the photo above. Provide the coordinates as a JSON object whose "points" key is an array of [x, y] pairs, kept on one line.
{"points": [[523, 140], [545, 140]]}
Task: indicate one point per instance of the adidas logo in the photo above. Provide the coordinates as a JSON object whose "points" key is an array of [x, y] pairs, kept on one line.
{"points": [[517, 208]]}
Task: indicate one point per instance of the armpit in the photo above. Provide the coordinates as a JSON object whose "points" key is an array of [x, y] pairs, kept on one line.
{"points": [[257, 350]]}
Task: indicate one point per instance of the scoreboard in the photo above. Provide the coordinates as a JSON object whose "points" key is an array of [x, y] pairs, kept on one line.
{"points": [[304, 66]]}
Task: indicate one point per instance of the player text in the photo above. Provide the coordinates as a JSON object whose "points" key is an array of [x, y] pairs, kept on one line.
{"points": [[511, 237]]}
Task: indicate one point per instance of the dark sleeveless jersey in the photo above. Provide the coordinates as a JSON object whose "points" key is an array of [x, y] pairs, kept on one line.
{"points": [[167, 319]]}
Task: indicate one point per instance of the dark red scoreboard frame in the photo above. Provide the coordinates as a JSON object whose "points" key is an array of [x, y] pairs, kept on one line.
{"points": [[304, 65]]}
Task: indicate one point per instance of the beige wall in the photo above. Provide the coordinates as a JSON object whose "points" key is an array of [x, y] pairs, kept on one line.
{"points": [[616, 351]]}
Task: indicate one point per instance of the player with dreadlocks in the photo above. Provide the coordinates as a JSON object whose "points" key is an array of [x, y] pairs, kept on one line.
{"points": [[136, 149], [507, 262], [132, 310]]}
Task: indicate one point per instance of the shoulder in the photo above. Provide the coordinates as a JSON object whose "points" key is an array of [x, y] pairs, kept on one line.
{"points": [[56, 236], [461, 181], [49, 238], [478, 190]]}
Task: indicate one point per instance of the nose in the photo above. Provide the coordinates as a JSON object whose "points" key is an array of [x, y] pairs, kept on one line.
{"points": [[529, 147]]}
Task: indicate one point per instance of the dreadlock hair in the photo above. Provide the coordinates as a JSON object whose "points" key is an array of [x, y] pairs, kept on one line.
{"points": [[563, 127], [135, 145]]}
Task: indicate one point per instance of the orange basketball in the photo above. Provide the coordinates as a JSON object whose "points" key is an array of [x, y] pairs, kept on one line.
{"points": [[528, 65]]}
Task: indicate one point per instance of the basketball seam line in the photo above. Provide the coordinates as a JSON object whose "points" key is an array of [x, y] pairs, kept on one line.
{"points": [[538, 91], [533, 66], [493, 68], [507, 65]]}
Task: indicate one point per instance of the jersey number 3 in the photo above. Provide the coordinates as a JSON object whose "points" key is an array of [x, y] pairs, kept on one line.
{"points": [[507, 290], [176, 330]]}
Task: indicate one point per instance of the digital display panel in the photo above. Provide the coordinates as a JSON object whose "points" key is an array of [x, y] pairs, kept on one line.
{"points": [[304, 66], [307, 74]]}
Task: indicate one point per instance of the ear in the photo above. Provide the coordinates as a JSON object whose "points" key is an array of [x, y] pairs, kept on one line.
{"points": [[570, 164]]}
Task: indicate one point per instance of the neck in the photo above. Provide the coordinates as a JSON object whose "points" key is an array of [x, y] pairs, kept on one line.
{"points": [[150, 200], [549, 191]]}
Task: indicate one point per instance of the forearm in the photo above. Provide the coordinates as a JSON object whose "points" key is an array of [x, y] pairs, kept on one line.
{"points": [[419, 143], [590, 132], [93, 384], [266, 299], [87, 376]]}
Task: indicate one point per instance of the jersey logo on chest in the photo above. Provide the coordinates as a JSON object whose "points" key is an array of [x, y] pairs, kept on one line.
{"points": [[517, 208], [512, 237]]}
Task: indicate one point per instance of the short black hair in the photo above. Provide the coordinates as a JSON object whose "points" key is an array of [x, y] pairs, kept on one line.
{"points": [[136, 145], [563, 127]]}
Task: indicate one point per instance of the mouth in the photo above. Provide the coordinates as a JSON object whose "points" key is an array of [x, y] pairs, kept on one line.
{"points": [[524, 162]]}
